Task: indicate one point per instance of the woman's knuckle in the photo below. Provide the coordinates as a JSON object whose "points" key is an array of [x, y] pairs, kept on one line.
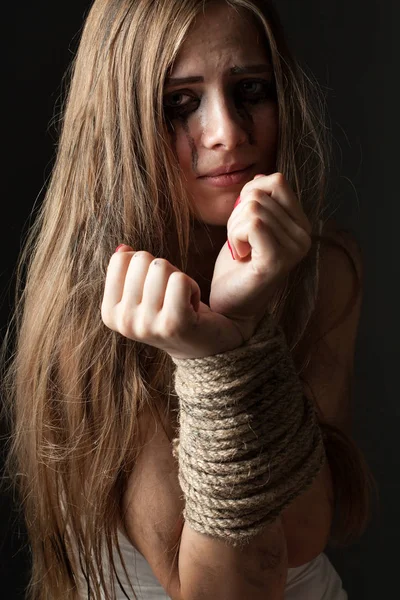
{"points": [[255, 197], [143, 327], [258, 224], [105, 315], [278, 178], [245, 188], [142, 255], [117, 256], [169, 326], [307, 242], [178, 278], [120, 257], [304, 240], [257, 208], [156, 262], [124, 323]]}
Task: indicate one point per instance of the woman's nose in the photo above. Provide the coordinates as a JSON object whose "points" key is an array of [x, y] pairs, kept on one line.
{"points": [[222, 125]]}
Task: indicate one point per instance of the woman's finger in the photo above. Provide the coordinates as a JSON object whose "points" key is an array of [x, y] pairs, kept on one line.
{"points": [[277, 187], [297, 233], [115, 280], [181, 301], [264, 206], [293, 229], [155, 284], [261, 234], [135, 278]]}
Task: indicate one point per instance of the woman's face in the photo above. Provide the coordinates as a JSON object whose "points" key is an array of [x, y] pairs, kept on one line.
{"points": [[220, 101]]}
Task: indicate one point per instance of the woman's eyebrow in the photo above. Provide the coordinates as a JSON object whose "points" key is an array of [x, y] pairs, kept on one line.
{"points": [[181, 80], [262, 68]]}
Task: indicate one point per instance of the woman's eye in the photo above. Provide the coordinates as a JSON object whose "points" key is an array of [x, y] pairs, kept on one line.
{"points": [[175, 100], [256, 90], [179, 103]]}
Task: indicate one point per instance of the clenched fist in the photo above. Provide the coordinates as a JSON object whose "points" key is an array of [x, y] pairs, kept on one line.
{"points": [[149, 300], [269, 234]]}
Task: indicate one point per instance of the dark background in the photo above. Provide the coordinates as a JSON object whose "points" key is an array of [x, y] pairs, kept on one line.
{"points": [[349, 47]]}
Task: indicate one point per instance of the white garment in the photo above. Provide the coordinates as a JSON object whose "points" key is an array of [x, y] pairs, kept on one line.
{"points": [[316, 580]]}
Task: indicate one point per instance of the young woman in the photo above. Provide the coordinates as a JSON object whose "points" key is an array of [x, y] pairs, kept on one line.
{"points": [[192, 137]]}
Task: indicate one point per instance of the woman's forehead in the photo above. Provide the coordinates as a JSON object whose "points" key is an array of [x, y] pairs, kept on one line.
{"points": [[220, 36]]}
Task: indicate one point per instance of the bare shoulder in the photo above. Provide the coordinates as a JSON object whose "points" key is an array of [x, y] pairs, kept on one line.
{"points": [[327, 378], [341, 242], [340, 285], [334, 325]]}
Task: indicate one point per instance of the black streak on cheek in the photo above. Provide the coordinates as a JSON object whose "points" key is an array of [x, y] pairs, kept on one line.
{"points": [[246, 116], [192, 145]]}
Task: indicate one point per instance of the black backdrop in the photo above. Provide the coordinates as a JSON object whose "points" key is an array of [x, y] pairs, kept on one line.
{"points": [[349, 46]]}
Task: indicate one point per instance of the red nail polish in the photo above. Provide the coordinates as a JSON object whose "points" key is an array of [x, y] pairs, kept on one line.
{"points": [[229, 246], [118, 247]]}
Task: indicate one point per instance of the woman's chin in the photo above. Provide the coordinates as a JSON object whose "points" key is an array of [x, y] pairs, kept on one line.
{"points": [[218, 218]]}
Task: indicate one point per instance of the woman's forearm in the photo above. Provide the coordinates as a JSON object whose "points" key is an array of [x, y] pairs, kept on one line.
{"points": [[307, 520], [210, 568], [248, 445]]}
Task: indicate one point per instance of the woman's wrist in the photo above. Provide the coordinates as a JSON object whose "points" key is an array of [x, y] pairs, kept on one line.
{"points": [[233, 335], [249, 441]]}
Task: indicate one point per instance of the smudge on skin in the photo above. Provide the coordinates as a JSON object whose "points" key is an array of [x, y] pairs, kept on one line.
{"points": [[246, 115], [243, 112], [191, 142]]}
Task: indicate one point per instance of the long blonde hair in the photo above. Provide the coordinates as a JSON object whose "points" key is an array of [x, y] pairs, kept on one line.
{"points": [[74, 389]]}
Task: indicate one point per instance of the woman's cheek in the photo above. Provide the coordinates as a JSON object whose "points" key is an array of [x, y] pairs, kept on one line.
{"points": [[186, 148], [267, 131]]}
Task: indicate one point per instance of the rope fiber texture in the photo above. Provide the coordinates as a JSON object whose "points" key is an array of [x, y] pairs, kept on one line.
{"points": [[249, 441]]}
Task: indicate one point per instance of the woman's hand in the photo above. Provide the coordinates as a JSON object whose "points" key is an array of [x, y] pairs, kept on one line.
{"points": [[269, 234], [149, 300]]}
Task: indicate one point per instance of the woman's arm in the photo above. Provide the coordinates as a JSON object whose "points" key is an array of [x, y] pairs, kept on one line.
{"points": [[329, 375], [154, 487], [213, 569], [154, 491], [190, 565]]}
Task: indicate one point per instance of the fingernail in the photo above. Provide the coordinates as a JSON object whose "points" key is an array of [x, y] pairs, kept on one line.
{"points": [[256, 176], [237, 202], [118, 247], [229, 246]]}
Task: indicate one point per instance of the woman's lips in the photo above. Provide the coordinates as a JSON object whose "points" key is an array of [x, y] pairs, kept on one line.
{"points": [[227, 179]]}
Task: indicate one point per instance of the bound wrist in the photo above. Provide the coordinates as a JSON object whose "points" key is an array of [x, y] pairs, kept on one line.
{"points": [[235, 334]]}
